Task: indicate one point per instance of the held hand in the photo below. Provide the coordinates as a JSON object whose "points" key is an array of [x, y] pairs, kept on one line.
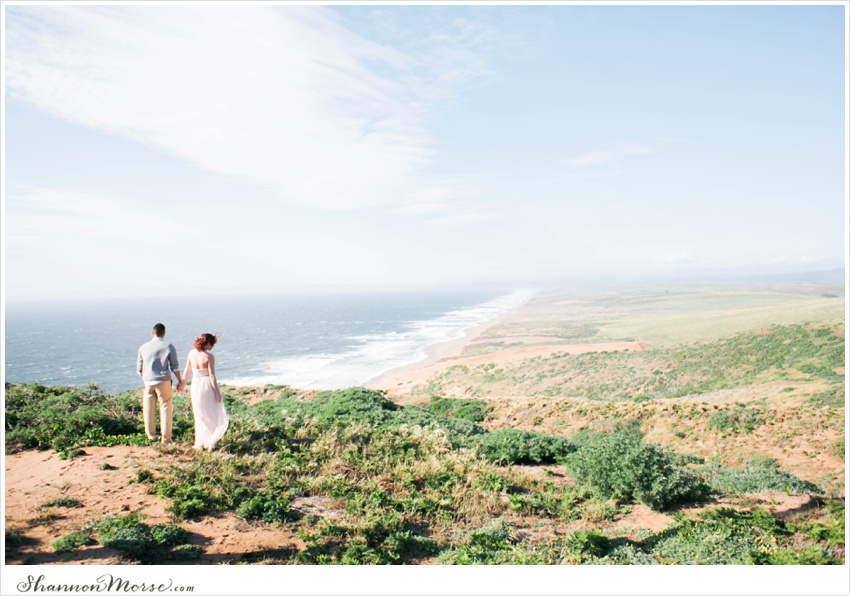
{"points": [[181, 386], [217, 395]]}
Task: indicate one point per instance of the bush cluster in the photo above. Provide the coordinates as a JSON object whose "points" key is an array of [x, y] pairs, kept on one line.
{"points": [[756, 478], [720, 537], [71, 542], [66, 418], [621, 466], [738, 419], [515, 446], [473, 410], [141, 542], [489, 545]]}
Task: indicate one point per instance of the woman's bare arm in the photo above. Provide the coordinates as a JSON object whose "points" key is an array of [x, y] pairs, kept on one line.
{"points": [[213, 380], [187, 369]]}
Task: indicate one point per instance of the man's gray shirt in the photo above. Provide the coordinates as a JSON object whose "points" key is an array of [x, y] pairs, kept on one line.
{"points": [[156, 361]]}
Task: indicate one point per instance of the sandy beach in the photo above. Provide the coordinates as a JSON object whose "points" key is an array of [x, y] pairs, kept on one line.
{"points": [[526, 331]]}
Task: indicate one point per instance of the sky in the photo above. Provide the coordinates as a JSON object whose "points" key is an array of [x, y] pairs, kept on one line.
{"points": [[183, 150]]}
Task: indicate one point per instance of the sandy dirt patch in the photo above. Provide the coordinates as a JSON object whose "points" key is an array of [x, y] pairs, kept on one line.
{"points": [[34, 478]]}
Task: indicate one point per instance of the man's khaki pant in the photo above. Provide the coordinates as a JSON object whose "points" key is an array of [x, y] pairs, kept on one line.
{"points": [[161, 392]]}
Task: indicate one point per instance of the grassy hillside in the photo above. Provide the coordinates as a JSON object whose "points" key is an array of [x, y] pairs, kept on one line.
{"points": [[358, 479], [807, 358]]}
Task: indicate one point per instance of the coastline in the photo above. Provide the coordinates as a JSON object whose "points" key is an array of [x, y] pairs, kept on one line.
{"points": [[392, 379], [436, 353]]}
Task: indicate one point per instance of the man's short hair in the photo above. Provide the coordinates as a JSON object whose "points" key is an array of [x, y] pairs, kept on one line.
{"points": [[159, 329]]}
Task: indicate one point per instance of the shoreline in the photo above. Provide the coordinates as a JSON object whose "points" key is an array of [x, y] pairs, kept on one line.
{"points": [[389, 380], [436, 353]]}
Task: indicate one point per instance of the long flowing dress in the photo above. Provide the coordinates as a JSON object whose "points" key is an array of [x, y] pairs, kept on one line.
{"points": [[210, 417]]}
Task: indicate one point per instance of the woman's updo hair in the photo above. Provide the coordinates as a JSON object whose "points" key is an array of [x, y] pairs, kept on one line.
{"points": [[204, 340]]}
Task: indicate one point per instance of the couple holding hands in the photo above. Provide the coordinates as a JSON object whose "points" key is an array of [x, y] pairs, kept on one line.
{"points": [[156, 361]]}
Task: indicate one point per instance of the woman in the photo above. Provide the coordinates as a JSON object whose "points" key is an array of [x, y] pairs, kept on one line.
{"points": [[207, 406]]}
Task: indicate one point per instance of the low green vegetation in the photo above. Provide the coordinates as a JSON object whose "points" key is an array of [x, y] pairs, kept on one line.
{"points": [[138, 541], [467, 409], [63, 502], [831, 398], [737, 420], [622, 466], [71, 542], [515, 446], [65, 419], [810, 353], [406, 485], [766, 476]]}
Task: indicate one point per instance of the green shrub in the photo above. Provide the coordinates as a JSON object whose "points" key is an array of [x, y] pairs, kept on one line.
{"points": [[515, 446], [143, 476], [134, 542], [831, 529], [718, 537], [617, 466], [186, 551], [168, 535], [351, 406], [107, 526], [71, 542], [821, 372], [559, 502], [410, 545], [467, 409], [189, 501], [623, 554], [839, 448], [458, 431], [489, 545], [754, 479], [66, 418], [268, 505], [626, 427], [808, 555], [255, 436], [147, 544], [580, 545], [378, 537], [63, 502], [831, 398], [739, 419]]}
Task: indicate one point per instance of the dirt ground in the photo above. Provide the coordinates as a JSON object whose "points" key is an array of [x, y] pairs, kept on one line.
{"points": [[34, 478]]}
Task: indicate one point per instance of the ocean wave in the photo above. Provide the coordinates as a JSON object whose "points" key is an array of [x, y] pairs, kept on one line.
{"points": [[376, 354]]}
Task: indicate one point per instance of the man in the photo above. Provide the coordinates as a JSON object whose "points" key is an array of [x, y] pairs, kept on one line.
{"points": [[155, 363]]}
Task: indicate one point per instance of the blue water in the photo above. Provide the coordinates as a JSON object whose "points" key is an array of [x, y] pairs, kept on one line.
{"points": [[316, 342]]}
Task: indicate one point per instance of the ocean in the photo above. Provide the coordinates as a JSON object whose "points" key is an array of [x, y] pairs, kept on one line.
{"points": [[309, 342]]}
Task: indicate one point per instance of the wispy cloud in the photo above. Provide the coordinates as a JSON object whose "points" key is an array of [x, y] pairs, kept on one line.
{"points": [[281, 97], [51, 218], [606, 156], [66, 244]]}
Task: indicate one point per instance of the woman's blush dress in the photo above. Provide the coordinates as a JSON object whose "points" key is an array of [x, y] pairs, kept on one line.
{"points": [[210, 417]]}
